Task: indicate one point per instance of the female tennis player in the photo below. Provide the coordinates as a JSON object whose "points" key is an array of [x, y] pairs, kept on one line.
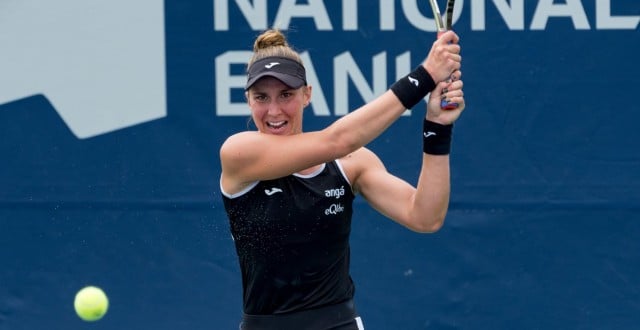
{"points": [[288, 193]]}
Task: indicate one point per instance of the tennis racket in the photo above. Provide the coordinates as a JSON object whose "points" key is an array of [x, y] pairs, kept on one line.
{"points": [[442, 27]]}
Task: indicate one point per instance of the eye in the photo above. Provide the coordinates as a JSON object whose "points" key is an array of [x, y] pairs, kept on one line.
{"points": [[286, 94], [260, 98]]}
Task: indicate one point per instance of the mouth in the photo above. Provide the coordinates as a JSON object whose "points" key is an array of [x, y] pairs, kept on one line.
{"points": [[277, 126]]}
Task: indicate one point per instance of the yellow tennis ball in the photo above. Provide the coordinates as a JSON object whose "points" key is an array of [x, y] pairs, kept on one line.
{"points": [[91, 303]]}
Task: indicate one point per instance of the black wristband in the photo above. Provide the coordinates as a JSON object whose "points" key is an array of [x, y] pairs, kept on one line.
{"points": [[436, 138], [413, 87]]}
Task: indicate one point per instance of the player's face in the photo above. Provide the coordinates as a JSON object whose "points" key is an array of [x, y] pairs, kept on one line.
{"points": [[277, 108]]}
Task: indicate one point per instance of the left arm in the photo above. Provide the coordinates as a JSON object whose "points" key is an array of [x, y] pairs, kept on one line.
{"points": [[422, 208]]}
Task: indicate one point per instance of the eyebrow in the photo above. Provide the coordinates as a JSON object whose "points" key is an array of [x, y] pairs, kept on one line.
{"points": [[257, 91]]}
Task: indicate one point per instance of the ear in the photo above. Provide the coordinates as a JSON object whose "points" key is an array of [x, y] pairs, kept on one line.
{"points": [[307, 95]]}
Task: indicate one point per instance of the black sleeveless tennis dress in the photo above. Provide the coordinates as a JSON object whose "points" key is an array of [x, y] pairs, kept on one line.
{"points": [[292, 239]]}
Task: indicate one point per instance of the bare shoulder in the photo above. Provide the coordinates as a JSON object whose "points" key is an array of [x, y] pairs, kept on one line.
{"points": [[235, 152], [235, 147], [238, 140], [357, 162]]}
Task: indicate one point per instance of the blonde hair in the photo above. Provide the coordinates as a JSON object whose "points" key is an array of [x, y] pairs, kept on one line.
{"points": [[270, 43]]}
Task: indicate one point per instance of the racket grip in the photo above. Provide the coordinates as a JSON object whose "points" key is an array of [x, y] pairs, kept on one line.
{"points": [[444, 105]]}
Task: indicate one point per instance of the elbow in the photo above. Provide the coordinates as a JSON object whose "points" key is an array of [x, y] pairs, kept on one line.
{"points": [[429, 218], [430, 225]]}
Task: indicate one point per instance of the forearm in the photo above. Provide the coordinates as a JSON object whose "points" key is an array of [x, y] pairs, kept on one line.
{"points": [[360, 127], [363, 125], [431, 199]]}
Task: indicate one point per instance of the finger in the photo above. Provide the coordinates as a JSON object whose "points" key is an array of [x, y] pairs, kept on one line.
{"points": [[460, 101], [453, 48], [439, 90], [455, 57], [455, 85], [450, 37], [454, 94], [453, 65], [451, 97], [456, 75]]}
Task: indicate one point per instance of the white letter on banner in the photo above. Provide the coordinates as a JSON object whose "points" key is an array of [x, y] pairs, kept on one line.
{"points": [[415, 17], [345, 67], [512, 14], [225, 82], [314, 9], [403, 67], [350, 15], [387, 15], [318, 100], [604, 20], [478, 17], [256, 13], [573, 9]]}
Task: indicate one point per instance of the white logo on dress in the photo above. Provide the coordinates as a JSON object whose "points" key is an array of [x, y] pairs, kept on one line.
{"points": [[334, 209], [337, 193], [272, 191]]}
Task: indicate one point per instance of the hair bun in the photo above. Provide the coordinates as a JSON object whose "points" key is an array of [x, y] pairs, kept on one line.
{"points": [[270, 38]]}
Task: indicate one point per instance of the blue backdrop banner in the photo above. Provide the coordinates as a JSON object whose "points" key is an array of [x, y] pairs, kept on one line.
{"points": [[112, 114]]}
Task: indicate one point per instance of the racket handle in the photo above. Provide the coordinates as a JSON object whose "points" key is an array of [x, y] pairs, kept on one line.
{"points": [[444, 105]]}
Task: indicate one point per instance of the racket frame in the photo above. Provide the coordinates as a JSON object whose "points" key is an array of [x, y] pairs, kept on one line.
{"points": [[443, 26]]}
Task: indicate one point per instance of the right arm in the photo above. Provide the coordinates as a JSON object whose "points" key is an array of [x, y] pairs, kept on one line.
{"points": [[251, 156]]}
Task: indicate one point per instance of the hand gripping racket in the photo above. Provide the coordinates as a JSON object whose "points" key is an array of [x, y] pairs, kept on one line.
{"points": [[442, 28]]}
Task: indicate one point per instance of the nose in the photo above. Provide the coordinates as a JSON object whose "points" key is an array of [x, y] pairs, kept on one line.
{"points": [[273, 108]]}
